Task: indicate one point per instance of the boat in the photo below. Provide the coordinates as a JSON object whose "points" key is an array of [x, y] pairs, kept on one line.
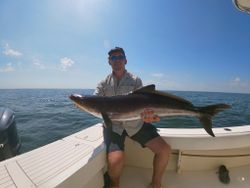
{"points": [[79, 161]]}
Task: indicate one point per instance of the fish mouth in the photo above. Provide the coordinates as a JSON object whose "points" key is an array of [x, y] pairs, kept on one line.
{"points": [[76, 97], [78, 100]]}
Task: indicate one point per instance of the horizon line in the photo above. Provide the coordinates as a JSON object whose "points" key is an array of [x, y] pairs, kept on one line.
{"points": [[207, 91]]}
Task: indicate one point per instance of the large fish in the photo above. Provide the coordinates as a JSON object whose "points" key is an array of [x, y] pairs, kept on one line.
{"points": [[129, 107]]}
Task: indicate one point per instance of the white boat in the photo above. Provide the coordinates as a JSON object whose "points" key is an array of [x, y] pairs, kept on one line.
{"points": [[79, 161]]}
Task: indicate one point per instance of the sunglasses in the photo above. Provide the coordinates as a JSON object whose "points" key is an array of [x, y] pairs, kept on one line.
{"points": [[117, 58]]}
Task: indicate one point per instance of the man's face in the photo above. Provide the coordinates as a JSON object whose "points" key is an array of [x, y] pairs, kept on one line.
{"points": [[117, 61]]}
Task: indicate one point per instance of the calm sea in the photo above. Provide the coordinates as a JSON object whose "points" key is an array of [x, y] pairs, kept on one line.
{"points": [[46, 115]]}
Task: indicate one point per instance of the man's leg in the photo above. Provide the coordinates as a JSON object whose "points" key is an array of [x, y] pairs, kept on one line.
{"points": [[115, 166], [162, 152], [115, 155], [148, 136]]}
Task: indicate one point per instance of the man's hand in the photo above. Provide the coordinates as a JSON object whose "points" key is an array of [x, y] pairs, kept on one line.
{"points": [[148, 116]]}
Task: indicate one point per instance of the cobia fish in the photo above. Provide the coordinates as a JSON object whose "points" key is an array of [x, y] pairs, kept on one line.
{"points": [[129, 107]]}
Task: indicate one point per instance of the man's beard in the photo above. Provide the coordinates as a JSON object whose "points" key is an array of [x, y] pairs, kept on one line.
{"points": [[118, 68]]}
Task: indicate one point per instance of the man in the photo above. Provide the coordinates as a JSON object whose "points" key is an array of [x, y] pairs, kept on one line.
{"points": [[121, 82]]}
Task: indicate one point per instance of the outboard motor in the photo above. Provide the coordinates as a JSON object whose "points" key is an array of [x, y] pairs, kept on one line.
{"points": [[9, 140]]}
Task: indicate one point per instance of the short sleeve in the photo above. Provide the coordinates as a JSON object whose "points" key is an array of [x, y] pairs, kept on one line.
{"points": [[99, 91], [138, 83]]}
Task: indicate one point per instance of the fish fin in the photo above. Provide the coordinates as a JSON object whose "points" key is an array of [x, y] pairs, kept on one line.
{"points": [[208, 112], [148, 88], [206, 121], [108, 124], [107, 120], [169, 95], [151, 89]]}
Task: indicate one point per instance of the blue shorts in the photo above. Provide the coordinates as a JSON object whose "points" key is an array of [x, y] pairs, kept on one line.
{"points": [[145, 134]]}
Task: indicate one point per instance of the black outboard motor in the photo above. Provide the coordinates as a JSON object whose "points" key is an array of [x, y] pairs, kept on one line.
{"points": [[9, 140]]}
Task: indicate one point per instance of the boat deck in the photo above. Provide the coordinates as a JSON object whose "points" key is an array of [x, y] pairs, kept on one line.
{"points": [[56, 163]]}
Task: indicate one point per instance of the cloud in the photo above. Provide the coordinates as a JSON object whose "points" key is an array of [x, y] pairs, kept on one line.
{"points": [[7, 68], [236, 80], [157, 75], [107, 44], [66, 63], [239, 85], [8, 51], [38, 64], [162, 81]]}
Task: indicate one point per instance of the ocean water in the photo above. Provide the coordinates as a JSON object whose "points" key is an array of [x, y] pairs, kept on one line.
{"points": [[46, 115]]}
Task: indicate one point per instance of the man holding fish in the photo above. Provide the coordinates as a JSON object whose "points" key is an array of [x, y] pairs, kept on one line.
{"points": [[121, 82], [127, 109]]}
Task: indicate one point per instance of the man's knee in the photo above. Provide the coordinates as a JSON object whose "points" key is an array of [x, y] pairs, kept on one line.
{"points": [[165, 149], [115, 158], [159, 146]]}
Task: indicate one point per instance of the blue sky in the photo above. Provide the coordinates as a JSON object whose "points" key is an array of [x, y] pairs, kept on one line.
{"points": [[191, 45]]}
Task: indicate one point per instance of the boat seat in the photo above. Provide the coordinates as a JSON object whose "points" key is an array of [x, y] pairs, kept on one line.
{"points": [[141, 177]]}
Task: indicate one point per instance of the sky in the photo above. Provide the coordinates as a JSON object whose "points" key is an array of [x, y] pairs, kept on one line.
{"points": [[186, 45]]}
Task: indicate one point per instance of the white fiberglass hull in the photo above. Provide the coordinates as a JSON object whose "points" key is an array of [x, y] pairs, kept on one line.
{"points": [[79, 160]]}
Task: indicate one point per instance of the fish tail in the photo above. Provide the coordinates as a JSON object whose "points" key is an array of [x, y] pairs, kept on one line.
{"points": [[206, 114]]}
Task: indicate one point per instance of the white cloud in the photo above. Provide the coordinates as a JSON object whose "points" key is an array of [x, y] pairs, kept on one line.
{"points": [[239, 85], [7, 68], [162, 81], [38, 63], [157, 75], [66, 63], [8, 51], [106, 44], [236, 80]]}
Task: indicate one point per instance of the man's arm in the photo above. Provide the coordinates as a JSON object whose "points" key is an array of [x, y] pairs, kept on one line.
{"points": [[138, 83], [99, 91]]}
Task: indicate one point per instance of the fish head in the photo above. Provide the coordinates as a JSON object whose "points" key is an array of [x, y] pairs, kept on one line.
{"points": [[77, 98], [86, 103], [80, 101]]}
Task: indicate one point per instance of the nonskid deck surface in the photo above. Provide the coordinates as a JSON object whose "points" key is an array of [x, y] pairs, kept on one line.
{"points": [[38, 167], [52, 164], [141, 177]]}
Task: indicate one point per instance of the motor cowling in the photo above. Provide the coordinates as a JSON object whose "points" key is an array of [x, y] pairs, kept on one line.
{"points": [[9, 139]]}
